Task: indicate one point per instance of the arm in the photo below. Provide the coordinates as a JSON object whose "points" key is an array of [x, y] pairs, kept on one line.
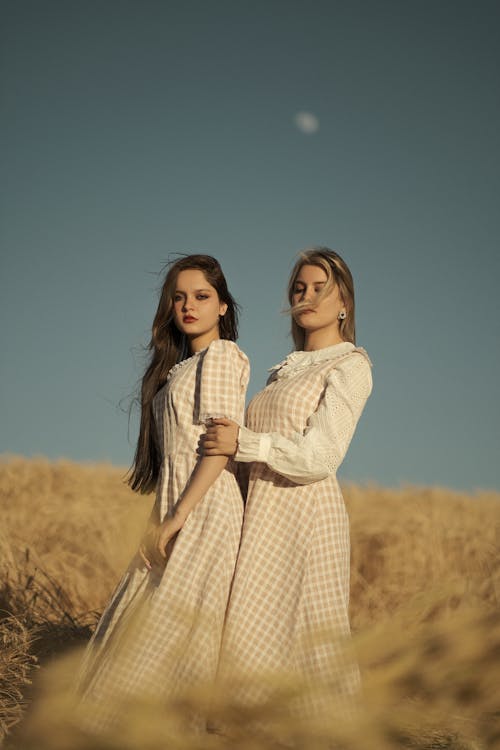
{"points": [[206, 471], [317, 452], [155, 547]]}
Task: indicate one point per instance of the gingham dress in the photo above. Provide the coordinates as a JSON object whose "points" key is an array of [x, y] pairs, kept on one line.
{"points": [[290, 594], [161, 631]]}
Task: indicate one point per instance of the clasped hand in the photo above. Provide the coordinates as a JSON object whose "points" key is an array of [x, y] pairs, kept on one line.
{"points": [[220, 438]]}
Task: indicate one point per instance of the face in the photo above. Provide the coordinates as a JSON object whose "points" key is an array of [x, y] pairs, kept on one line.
{"points": [[197, 308], [316, 315]]}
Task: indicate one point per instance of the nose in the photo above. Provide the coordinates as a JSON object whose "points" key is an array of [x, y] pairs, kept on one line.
{"points": [[188, 305], [308, 294]]}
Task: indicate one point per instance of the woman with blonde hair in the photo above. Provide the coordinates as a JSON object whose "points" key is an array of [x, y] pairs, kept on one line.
{"points": [[161, 632], [288, 610]]}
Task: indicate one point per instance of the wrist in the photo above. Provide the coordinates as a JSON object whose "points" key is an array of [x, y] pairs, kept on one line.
{"points": [[179, 518]]}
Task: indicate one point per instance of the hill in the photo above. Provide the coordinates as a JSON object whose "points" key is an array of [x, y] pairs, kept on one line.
{"points": [[425, 591]]}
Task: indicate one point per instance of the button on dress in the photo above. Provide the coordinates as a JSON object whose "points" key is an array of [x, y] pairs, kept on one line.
{"points": [[161, 631]]}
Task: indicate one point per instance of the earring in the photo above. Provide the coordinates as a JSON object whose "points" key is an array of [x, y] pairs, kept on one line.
{"points": [[342, 315]]}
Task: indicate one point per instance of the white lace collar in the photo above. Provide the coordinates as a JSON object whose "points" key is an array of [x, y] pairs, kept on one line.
{"points": [[299, 360]]}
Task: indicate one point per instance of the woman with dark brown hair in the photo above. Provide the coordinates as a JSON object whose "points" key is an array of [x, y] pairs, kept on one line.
{"points": [[161, 631], [288, 610]]}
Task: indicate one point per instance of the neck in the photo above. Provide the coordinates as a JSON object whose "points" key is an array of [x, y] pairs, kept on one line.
{"points": [[198, 343], [320, 339]]}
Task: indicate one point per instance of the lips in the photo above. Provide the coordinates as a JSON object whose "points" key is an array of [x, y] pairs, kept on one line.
{"points": [[189, 319]]}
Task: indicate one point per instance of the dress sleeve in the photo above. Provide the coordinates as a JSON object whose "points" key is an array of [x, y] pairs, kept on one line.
{"points": [[318, 452], [223, 380]]}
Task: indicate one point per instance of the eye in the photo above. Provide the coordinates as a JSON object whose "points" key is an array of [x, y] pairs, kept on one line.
{"points": [[298, 289], [178, 297], [202, 296]]}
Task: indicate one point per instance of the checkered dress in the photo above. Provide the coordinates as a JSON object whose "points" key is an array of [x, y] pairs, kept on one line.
{"points": [[161, 631], [288, 610]]}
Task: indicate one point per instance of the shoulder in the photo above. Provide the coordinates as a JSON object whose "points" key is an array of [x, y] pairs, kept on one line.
{"points": [[354, 371], [357, 359], [223, 349]]}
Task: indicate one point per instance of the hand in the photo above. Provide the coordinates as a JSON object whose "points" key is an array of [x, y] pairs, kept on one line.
{"points": [[167, 531], [148, 546], [220, 438], [156, 546]]}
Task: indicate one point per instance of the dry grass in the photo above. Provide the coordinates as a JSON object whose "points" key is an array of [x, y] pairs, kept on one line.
{"points": [[420, 544], [16, 663], [424, 607]]}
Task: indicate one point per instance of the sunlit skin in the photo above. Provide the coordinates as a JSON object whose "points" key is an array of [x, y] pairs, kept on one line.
{"points": [[320, 323], [197, 309]]}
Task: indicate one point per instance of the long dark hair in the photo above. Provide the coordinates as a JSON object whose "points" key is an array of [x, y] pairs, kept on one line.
{"points": [[338, 273], [169, 346]]}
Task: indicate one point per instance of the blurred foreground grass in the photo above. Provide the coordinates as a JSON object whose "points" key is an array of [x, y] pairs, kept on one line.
{"points": [[425, 613]]}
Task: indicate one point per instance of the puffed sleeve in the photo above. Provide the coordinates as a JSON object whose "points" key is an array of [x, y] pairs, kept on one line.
{"points": [[223, 380], [319, 451]]}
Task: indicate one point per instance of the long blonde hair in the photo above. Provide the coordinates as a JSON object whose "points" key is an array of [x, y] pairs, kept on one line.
{"points": [[338, 274]]}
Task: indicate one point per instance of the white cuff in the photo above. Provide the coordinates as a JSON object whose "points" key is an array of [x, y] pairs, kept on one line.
{"points": [[253, 446]]}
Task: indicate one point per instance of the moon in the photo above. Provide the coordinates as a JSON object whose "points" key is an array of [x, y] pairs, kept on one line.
{"points": [[306, 122]]}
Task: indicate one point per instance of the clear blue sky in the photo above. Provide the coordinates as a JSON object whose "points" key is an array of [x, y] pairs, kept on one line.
{"points": [[134, 130]]}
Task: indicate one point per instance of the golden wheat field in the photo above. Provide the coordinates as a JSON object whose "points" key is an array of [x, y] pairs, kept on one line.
{"points": [[425, 614]]}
